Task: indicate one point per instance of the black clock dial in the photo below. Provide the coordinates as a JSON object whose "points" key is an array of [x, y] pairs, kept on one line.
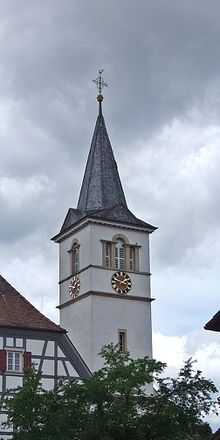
{"points": [[74, 287], [121, 282]]}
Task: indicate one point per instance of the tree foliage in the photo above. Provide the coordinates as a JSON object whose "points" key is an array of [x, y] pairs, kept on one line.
{"points": [[117, 403]]}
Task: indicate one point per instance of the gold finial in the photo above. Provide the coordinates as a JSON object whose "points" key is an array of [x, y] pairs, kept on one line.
{"points": [[100, 83]]}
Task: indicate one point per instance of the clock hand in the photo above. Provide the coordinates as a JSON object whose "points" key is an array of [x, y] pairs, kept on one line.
{"points": [[122, 282]]}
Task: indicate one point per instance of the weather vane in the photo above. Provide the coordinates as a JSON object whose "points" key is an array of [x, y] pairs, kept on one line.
{"points": [[99, 81]]}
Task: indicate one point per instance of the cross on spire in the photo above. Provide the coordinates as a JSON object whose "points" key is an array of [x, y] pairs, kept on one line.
{"points": [[100, 83]]}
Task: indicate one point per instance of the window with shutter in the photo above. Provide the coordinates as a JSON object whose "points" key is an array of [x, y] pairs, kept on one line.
{"points": [[14, 361], [27, 359], [3, 356], [132, 258], [119, 255], [108, 254]]}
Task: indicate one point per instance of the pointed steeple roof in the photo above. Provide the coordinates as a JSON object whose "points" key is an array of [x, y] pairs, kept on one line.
{"points": [[18, 312], [101, 195], [101, 187]]}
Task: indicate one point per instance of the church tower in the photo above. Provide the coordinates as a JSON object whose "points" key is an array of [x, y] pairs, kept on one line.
{"points": [[104, 265]]}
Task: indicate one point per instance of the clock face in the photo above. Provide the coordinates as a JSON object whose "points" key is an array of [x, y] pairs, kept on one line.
{"points": [[121, 282], [74, 287]]}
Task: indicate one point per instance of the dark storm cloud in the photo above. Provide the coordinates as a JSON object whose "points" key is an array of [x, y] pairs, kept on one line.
{"points": [[161, 60]]}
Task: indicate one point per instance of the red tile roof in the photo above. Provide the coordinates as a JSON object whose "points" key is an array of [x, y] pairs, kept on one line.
{"points": [[17, 312]]}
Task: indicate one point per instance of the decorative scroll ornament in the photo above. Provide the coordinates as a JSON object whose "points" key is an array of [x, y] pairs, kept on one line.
{"points": [[100, 83]]}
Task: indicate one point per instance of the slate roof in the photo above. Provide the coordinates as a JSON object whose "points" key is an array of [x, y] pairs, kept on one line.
{"points": [[101, 196], [118, 213], [17, 312], [101, 187], [214, 323]]}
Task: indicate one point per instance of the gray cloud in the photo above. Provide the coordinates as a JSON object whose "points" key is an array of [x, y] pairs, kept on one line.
{"points": [[161, 61]]}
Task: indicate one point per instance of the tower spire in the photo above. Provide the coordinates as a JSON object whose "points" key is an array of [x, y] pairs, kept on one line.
{"points": [[100, 83], [101, 187]]}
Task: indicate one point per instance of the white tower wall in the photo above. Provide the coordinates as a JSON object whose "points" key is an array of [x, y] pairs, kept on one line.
{"points": [[98, 313]]}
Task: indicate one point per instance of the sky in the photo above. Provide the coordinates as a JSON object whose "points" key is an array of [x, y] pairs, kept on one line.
{"points": [[161, 60]]}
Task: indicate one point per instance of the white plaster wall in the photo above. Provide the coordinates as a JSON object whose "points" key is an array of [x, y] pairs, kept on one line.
{"points": [[48, 367], [77, 320], [103, 232], [95, 321], [3, 419], [61, 370], [83, 236], [10, 342], [60, 353], [89, 239], [71, 370], [35, 346], [47, 384], [19, 342], [13, 381], [50, 348], [99, 279], [134, 316]]}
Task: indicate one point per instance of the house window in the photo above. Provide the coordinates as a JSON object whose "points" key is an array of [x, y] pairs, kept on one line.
{"points": [[74, 254], [119, 255], [122, 340], [14, 361]]}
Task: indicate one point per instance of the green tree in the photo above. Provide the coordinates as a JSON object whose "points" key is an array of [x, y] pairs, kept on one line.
{"points": [[115, 404]]}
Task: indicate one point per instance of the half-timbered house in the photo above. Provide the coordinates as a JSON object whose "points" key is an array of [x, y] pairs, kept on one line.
{"points": [[27, 336]]}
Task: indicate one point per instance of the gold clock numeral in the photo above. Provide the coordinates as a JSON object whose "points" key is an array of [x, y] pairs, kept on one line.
{"points": [[74, 287], [121, 282]]}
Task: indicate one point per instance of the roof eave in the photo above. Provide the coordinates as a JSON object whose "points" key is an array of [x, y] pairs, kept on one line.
{"points": [[23, 327], [214, 323], [57, 238]]}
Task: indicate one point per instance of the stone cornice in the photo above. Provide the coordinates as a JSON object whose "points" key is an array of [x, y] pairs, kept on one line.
{"points": [[95, 266], [89, 220], [106, 295]]}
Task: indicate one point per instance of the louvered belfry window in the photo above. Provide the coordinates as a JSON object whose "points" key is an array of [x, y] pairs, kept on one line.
{"points": [[131, 258], [75, 258], [119, 255], [108, 254]]}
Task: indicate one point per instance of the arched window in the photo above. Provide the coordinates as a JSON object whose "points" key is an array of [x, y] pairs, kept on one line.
{"points": [[74, 255], [119, 254]]}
